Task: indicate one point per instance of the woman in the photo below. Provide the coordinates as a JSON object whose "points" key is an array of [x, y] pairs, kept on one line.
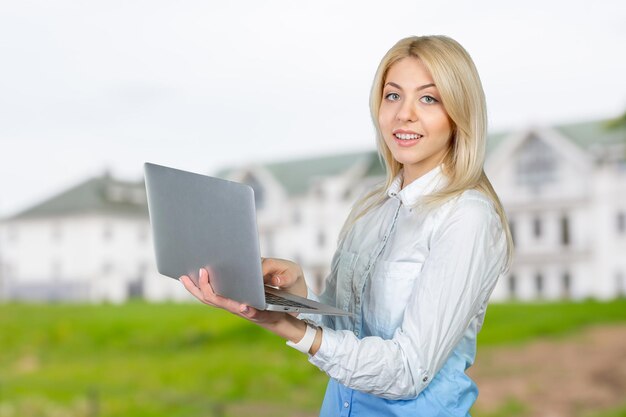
{"points": [[417, 258]]}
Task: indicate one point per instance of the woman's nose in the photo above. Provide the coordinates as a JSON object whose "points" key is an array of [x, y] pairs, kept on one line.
{"points": [[407, 112]]}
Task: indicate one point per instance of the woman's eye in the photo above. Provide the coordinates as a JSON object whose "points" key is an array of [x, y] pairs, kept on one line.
{"points": [[392, 96], [428, 100]]}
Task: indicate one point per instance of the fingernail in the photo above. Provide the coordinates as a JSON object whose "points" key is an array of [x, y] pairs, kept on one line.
{"points": [[276, 280]]}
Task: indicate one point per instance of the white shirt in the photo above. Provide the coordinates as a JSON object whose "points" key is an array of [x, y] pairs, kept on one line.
{"points": [[417, 281]]}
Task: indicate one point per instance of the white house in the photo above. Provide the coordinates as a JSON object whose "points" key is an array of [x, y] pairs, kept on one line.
{"points": [[564, 190], [89, 243]]}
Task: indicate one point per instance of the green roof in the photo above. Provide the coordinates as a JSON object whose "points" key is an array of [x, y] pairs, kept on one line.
{"points": [[297, 176], [598, 133], [585, 134], [96, 195]]}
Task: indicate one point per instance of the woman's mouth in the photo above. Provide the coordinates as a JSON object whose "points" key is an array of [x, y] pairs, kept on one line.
{"points": [[407, 139], [407, 136]]}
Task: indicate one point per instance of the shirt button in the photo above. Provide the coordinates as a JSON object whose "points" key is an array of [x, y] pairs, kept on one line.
{"points": [[346, 404], [425, 379]]}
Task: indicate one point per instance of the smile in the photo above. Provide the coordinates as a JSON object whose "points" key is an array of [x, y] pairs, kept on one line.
{"points": [[407, 136]]}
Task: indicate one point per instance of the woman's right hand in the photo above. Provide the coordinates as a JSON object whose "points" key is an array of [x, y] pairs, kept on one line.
{"points": [[286, 275]]}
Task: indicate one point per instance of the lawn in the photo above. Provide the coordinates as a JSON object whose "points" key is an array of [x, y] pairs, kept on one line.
{"points": [[142, 359]]}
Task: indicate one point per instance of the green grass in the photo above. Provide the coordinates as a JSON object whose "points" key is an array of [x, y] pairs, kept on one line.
{"points": [[516, 323], [180, 360], [146, 360]]}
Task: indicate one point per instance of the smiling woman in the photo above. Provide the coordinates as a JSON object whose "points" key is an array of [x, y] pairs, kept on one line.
{"points": [[418, 256]]}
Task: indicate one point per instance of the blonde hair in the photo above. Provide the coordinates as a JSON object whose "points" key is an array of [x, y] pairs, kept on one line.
{"points": [[462, 96]]}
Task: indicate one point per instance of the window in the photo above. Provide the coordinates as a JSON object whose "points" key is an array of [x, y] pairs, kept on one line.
{"points": [[321, 239], [536, 164], [537, 227], [565, 236], [621, 222], [347, 195], [620, 284], [566, 282], [539, 285], [135, 288], [124, 193], [512, 284]]}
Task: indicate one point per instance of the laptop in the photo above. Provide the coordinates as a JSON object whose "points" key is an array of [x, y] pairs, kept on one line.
{"points": [[200, 221]]}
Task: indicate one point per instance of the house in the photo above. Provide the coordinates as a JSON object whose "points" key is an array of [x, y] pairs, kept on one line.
{"points": [[89, 243], [564, 191], [563, 188]]}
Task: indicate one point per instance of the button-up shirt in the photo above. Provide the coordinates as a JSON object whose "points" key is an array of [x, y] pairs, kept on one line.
{"points": [[417, 281]]}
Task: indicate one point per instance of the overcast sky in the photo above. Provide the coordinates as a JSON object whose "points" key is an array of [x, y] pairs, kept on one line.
{"points": [[87, 86]]}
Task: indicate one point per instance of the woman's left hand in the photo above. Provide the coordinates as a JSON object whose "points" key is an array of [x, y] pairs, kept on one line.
{"points": [[204, 292]]}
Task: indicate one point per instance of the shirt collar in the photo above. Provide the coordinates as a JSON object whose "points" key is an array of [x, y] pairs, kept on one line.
{"points": [[428, 183]]}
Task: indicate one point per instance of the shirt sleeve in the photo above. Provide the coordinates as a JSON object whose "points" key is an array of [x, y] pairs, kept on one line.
{"points": [[467, 255]]}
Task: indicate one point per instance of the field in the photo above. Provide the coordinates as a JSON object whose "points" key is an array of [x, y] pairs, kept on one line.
{"points": [[176, 360]]}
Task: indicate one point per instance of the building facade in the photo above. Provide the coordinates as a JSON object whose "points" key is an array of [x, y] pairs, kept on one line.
{"points": [[563, 188], [90, 243]]}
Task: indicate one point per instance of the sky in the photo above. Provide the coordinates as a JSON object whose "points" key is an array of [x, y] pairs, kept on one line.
{"points": [[88, 87]]}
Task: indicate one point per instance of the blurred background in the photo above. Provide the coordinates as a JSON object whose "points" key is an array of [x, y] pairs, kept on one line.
{"points": [[275, 94]]}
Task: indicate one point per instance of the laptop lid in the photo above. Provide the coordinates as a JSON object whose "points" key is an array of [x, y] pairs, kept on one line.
{"points": [[204, 222]]}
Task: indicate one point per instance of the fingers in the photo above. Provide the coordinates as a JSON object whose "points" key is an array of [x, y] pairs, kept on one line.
{"points": [[190, 286], [204, 292], [278, 272], [248, 312]]}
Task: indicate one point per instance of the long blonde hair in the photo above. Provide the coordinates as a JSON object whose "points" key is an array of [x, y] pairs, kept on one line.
{"points": [[462, 96]]}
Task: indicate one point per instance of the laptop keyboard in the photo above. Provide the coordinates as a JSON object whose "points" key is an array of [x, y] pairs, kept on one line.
{"points": [[280, 301]]}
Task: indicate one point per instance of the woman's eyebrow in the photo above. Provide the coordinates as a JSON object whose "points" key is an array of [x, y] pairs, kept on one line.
{"points": [[417, 89]]}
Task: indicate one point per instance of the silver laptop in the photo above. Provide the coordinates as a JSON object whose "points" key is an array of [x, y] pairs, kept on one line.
{"points": [[204, 222]]}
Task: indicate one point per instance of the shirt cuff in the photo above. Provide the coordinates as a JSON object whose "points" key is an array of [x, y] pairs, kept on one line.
{"points": [[325, 354]]}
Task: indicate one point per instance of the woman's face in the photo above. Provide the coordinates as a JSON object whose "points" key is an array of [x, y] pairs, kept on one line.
{"points": [[412, 120]]}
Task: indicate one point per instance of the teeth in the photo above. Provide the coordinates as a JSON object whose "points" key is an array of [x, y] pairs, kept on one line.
{"points": [[407, 136]]}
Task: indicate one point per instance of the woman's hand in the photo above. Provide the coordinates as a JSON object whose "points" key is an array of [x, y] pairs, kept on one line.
{"points": [[286, 275], [204, 292]]}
